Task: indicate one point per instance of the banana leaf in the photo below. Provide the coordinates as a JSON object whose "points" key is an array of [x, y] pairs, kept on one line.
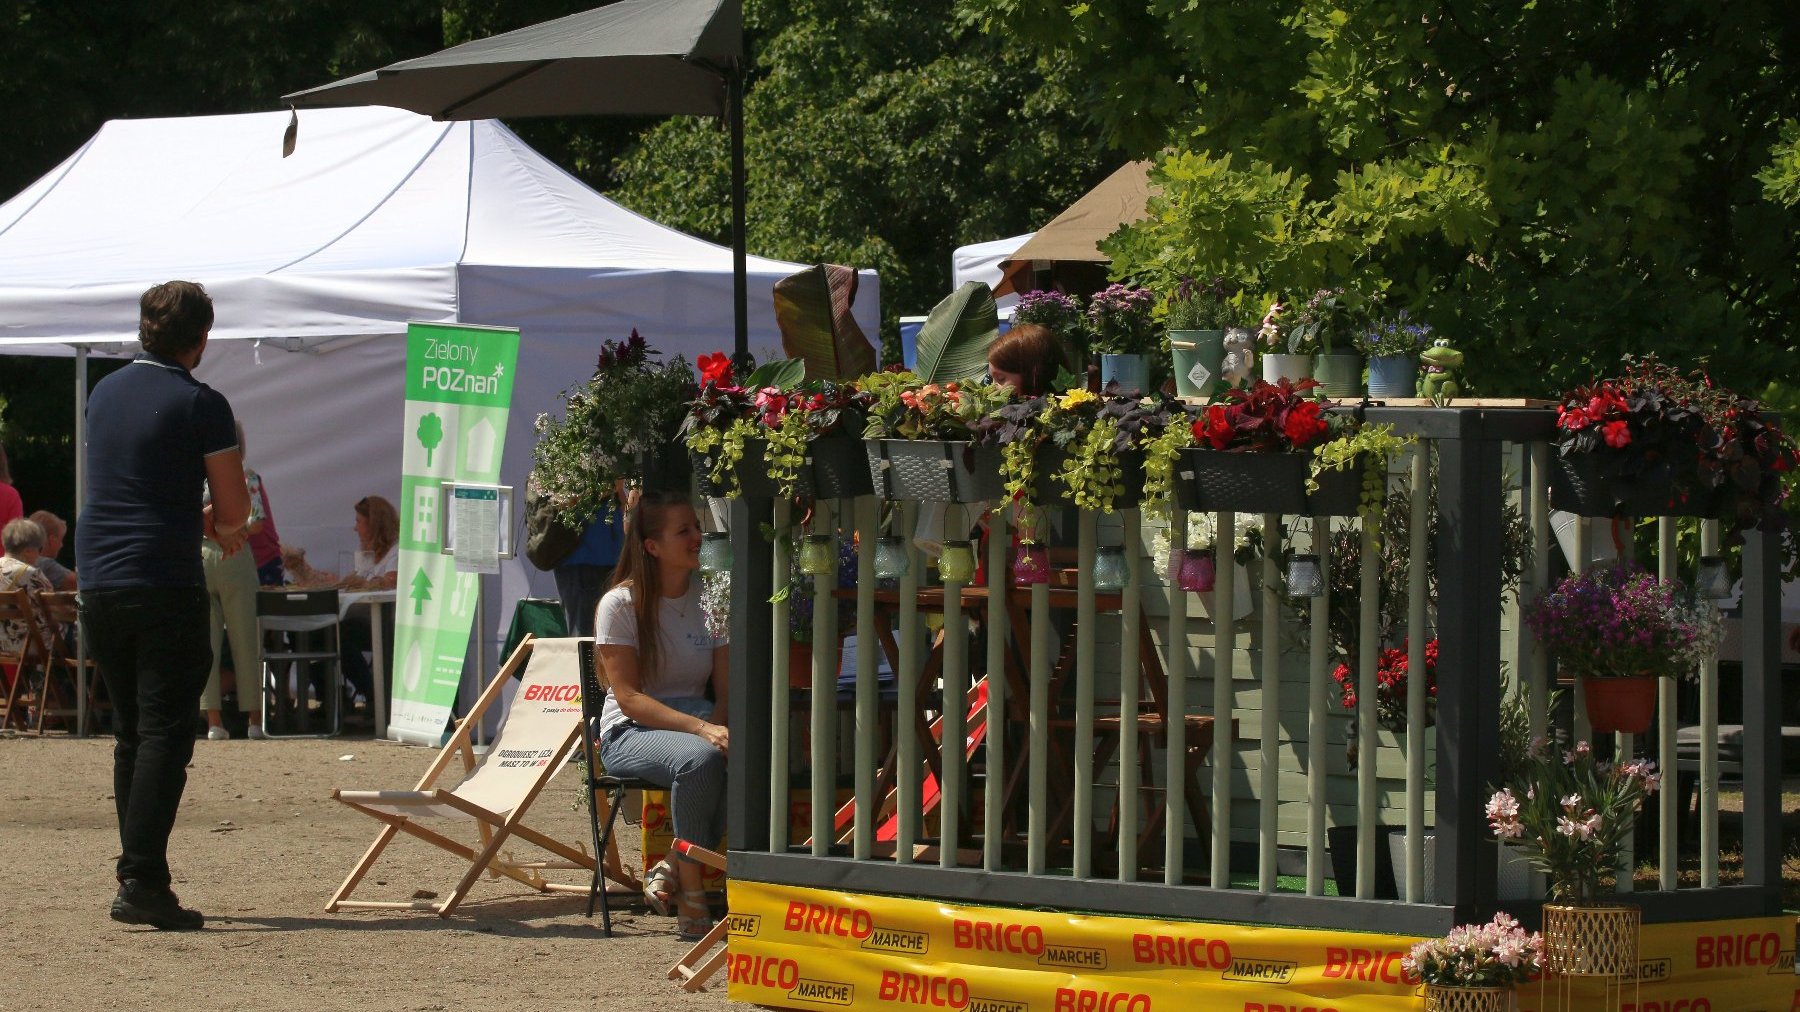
{"points": [[783, 374], [812, 309], [953, 342]]}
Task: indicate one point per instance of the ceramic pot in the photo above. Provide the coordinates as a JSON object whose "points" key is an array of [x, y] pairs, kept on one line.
{"points": [[1620, 704], [1289, 367], [1393, 376], [1131, 372], [1341, 374]]}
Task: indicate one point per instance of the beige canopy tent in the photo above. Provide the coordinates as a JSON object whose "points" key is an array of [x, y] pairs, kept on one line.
{"points": [[1070, 244]]}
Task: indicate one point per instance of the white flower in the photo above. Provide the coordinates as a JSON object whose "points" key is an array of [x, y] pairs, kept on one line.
{"points": [[1572, 802]]}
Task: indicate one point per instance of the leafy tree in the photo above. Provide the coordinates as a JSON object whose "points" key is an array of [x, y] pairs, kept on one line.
{"points": [[1551, 184], [880, 134]]}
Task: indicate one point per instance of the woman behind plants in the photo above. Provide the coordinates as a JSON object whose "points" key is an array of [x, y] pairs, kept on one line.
{"points": [[659, 659], [1026, 358]]}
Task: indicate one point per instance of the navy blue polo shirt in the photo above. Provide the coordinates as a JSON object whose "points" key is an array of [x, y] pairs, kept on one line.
{"points": [[150, 428]]}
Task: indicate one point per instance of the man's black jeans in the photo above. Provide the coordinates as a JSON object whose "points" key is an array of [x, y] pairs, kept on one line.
{"points": [[154, 650]]}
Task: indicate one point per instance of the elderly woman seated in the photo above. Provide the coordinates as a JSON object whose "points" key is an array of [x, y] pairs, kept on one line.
{"points": [[23, 541]]}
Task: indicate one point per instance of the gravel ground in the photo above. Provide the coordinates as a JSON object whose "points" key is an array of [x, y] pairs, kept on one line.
{"points": [[259, 848]]}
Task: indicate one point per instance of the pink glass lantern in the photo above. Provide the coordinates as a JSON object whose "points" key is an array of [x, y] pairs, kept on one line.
{"points": [[1197, 571], [1031, 567]]}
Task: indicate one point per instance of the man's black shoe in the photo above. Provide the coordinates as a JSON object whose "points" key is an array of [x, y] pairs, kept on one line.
{"points": [[141, 904]]}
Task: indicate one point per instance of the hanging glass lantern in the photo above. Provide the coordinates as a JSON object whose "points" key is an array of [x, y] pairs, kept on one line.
{"points": [[1197, 572], [1032, 567], [957, 564], [819, 556], [890, 557], [1304, 578], [1714, 580], [715, 552], [1109, 568]]}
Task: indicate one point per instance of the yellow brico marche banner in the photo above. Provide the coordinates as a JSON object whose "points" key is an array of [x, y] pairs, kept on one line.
{"points": [[801, 948]]}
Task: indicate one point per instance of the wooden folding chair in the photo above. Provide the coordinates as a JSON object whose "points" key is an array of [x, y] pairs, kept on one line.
{"points": [[29, 663], [697, 966], [60, 612], [540, 733]]}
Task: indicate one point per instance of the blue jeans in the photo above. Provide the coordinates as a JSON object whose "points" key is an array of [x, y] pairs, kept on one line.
{"points": [[691, 769], [152, 645]]}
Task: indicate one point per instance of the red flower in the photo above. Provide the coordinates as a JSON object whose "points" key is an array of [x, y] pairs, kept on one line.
{"points": [[1303, 424], [1215, 428], [715, 369], [1618, 434]]}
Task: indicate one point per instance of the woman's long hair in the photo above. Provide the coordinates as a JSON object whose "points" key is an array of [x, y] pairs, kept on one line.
{"points": [[646, 521], [1032, 351], [384, 523]]}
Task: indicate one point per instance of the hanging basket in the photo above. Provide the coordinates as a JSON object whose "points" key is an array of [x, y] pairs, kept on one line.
{"points": [[1442, 998], [1599, 941], [1217, 481], [1620, 704], [930, 470], [1589, 485], [835, 468]]}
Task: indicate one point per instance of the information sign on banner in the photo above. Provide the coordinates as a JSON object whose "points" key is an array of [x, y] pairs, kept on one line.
{"points": [[459, 382], [477, 519]]}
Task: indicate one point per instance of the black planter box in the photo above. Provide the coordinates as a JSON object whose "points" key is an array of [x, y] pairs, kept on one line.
{"points": [[1588, 485], [1216, 481], [835, 468], [935, 470], [1048, 490], [664, 470]]}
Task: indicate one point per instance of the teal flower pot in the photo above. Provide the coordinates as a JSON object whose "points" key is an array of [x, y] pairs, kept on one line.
{"points": [[1196, 355], [1131, 372]]}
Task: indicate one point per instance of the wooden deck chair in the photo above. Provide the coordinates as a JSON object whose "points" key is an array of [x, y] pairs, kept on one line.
{"points": [[540, 732], [695, 968]]}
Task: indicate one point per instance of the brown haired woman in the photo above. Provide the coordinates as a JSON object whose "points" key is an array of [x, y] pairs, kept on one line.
{"points": [[659, 659], [377, 567], [1026, 358]]}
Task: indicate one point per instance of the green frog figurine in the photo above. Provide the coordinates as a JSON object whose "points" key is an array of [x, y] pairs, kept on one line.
{"points": [[1441, 376]]}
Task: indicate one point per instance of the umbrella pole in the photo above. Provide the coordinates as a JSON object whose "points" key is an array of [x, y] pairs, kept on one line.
{"points": [[740, 281]]}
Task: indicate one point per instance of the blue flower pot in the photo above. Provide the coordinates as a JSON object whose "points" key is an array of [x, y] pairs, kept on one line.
{"points": [[1131, 372], [1393, 376]]}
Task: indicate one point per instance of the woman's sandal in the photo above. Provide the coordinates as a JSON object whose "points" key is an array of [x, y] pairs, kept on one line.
{"points": [[693, 927], [659, 888]]}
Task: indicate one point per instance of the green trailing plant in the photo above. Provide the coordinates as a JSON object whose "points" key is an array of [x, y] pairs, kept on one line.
{"points": [[1161, 452], [726, 414], [1371, 447]]}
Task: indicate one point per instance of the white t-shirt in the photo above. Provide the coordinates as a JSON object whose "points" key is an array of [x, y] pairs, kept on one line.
{"points": [[685, 660], [377, 568]]}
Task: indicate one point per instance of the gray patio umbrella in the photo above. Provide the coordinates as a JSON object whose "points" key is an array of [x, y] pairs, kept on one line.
{"points": [[634, 57]]}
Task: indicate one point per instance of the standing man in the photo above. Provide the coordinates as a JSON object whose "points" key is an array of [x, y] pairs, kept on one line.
{"points": [[154, 435]]}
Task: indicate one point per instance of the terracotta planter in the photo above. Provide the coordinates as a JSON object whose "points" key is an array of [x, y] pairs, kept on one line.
{"points": [[799, 665], [1599, 941], [1439, 998], [1620, 704]]}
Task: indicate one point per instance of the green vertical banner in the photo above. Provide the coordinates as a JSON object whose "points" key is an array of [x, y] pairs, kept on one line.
{"points": [[459, 383]]}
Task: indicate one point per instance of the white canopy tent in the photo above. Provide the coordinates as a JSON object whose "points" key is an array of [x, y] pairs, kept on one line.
{"points": [[981, 262], [317, 261]]}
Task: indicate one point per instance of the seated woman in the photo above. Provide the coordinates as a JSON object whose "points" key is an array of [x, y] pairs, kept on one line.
{"points": [[659, 660], [377, 568]]}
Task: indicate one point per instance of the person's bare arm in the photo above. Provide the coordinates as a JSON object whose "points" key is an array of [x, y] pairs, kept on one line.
{"points": [[646, 710], [230, 499]]}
